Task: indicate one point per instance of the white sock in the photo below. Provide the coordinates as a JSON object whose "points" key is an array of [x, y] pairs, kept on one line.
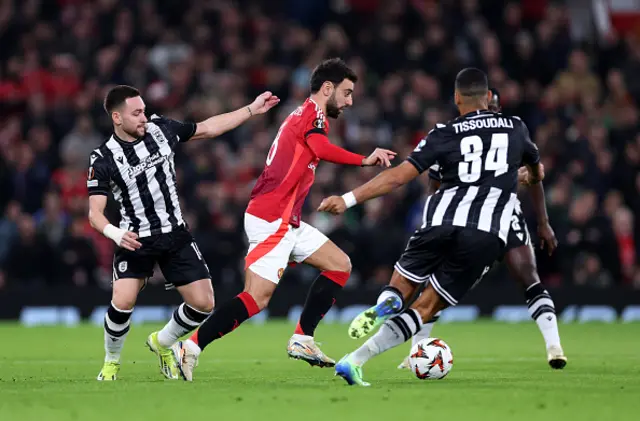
{"points": [[302, 338], [394, 332], [193, 347], [543, 311], [388, 292], [116, 328], [425, 332], [185, 319], [548, 325]]}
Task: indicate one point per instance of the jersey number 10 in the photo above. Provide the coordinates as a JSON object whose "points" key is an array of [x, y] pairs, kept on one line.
{"points": [[471, 147]]}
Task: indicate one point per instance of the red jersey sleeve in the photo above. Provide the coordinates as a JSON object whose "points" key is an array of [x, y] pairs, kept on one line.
{"points": [[317, 140]]}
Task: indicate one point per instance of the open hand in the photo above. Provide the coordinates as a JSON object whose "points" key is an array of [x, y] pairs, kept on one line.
{"points": [[380, 157], [130, 241]]}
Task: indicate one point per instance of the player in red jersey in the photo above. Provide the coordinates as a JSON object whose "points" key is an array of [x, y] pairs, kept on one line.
{"points": [[274, 228]]}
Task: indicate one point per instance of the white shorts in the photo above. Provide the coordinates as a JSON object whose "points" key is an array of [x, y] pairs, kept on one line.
{"points": [[272, 245]]}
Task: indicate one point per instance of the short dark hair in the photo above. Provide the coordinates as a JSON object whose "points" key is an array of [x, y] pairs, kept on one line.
{"points": [[472, 82], [117, 96], [333, 70]]}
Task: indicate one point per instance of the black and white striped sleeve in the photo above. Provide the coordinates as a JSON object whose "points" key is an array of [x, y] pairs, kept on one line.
{"points": [[428, 150], [178, 131], [99, 175]]}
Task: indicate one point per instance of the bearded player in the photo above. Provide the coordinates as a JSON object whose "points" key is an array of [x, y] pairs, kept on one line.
{"points": [[274, 228], [521, 261]]}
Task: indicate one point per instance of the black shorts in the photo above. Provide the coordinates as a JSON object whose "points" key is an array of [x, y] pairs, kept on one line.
{"points": [[452, 259], [519, 233], [176, 253]]}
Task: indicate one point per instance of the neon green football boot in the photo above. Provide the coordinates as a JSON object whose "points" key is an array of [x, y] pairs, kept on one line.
{"points": [[109, 371], [168, 360], [350, 371]]}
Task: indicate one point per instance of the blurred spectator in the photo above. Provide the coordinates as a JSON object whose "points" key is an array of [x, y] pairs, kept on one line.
{"points": [[52, 220], [590, 273], [623, 223], [577, 80], [9, 229], [31, 260], [79, 142], [78, 262]]}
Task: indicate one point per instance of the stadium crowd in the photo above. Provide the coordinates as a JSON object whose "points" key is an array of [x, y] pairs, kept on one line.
{"points": [[196, 58]]}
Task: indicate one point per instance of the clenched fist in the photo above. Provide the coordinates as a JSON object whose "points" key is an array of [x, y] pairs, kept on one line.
{"points": [[333, 204]]}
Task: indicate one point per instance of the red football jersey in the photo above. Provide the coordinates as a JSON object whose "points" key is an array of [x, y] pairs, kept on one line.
{"points": [[290, 168]]}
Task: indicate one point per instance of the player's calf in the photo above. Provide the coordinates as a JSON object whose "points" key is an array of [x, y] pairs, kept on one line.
{"points": [[336, 269], [117, 322], [393, 332], [321, 297], [116, 328], [188, 316], [198, 297], [542, 310], [521, 262], [228, 316]]}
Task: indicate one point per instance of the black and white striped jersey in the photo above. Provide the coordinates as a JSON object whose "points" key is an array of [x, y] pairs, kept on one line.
{"points": [[142, 176], [477, 157]]}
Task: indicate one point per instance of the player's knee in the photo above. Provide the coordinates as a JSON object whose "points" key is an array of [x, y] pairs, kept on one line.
{"points": [[203, 303], [124, 299], [343, 263], [260, 296], [123, 302], [262, 300], [198, 295]]}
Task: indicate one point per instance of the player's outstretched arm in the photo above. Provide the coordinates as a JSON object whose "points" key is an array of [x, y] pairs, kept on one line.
{"points": [[219, 124], [382, 184], [326, 151], [122, 238]]}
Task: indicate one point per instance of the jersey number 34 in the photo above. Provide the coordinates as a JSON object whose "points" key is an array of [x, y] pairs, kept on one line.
{"points": [[471, 147]]}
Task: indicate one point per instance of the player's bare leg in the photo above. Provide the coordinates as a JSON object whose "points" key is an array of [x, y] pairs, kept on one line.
{"points": [[390, 301], [521, 262], [227, 317], [116, 324], [335, 267], [198, 304], [392, 333]]}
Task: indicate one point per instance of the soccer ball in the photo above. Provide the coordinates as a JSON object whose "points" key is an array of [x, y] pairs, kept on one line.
{"points": [[431, 358]]}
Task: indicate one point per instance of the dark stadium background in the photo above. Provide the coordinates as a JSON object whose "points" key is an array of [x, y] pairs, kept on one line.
{"points": [[568, 68]]}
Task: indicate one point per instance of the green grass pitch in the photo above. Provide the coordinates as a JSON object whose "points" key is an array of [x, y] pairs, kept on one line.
{"points": [[499, 373]]}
